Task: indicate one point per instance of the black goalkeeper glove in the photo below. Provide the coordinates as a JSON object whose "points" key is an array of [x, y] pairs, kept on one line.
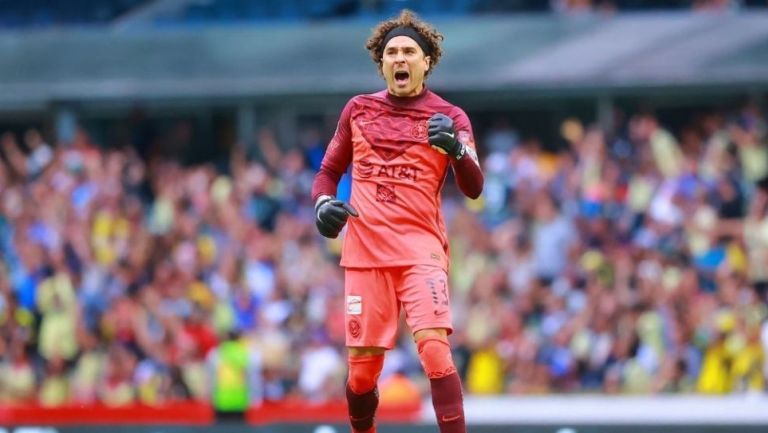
{"points": [[331, 214], [442, 136]]}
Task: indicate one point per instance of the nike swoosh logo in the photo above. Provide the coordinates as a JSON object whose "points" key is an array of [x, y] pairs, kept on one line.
{"points": [[449, 418]]}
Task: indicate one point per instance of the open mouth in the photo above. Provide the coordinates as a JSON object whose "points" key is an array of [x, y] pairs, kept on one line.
{"points": [[401, 77]]}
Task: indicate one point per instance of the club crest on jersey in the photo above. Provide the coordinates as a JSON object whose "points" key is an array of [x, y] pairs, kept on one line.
{"points": [[354, 328], [419, 130]]}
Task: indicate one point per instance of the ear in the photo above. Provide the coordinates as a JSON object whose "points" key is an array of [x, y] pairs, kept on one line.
{"points": [[429, 62]]}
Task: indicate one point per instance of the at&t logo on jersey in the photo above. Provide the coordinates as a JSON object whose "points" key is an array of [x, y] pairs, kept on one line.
{"points": [[366, 169]]}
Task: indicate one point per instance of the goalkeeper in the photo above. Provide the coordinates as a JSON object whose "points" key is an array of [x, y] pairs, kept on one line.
{"points": [[401, 142]]}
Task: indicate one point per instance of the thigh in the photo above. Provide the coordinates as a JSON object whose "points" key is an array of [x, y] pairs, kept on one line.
{"points": [[423, 292], [371, 308]]}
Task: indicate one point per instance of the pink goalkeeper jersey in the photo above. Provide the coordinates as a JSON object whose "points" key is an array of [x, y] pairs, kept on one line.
{"points": [[396, 178]]}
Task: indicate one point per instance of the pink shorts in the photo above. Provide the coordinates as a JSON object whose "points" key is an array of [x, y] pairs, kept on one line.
{"points": [[374, 297]]}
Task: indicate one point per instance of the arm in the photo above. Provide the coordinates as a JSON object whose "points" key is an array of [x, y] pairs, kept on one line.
{"points": [[337, 158], [469, 177], [331, 214], [455, 139]]}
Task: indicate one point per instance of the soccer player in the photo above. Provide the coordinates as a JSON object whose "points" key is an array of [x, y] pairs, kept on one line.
{"points": [[401, 142]]}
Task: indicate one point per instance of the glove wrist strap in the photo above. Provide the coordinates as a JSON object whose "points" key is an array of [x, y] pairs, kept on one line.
{"points": [[460, 152], [321, 200]]}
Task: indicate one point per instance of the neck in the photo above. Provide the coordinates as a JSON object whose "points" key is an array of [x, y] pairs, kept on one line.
{"points": [[403, 98]]}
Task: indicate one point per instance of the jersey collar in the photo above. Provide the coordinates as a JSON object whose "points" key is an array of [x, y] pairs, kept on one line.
{"points": [[406, 100]]}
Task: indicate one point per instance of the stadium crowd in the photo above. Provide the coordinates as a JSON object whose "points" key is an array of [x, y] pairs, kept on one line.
{"points": [[630, 262]]}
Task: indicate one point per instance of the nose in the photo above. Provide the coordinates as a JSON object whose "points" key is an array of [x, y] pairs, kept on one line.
{"points": [[400, 56]]}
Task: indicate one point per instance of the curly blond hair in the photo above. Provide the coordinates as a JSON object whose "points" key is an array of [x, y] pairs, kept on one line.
{"points": [[375, 44]]}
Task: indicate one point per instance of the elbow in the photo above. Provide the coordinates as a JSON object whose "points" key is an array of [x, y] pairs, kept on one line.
{"points": [[470, 179], [474, 190], [475, 193], [478, 187]]}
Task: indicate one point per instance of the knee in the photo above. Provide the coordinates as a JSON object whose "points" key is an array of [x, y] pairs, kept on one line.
{"points": [[435, 356], [364, 372]]}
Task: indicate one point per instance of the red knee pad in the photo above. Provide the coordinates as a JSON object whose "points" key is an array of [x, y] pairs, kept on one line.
{"points": [[364, 372], [435, 356]]}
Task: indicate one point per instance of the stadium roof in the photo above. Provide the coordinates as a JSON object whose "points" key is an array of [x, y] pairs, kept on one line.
{"points": [[509, 55]]}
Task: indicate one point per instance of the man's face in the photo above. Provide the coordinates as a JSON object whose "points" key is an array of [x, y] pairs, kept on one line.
{"points": [[404, 66]]}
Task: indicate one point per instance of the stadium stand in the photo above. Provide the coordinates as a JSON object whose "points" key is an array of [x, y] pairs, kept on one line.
{"points": [[626, 263], [58, 13]]}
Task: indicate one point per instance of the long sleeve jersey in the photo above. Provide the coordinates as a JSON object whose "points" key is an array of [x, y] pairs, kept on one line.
{"points": [[396, 178]]}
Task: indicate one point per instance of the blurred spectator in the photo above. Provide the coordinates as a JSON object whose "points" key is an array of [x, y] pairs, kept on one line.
{"points": [[552, 238], [40, 153], [321, 368], [629, 262], [236, 376], [18, 375]]}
